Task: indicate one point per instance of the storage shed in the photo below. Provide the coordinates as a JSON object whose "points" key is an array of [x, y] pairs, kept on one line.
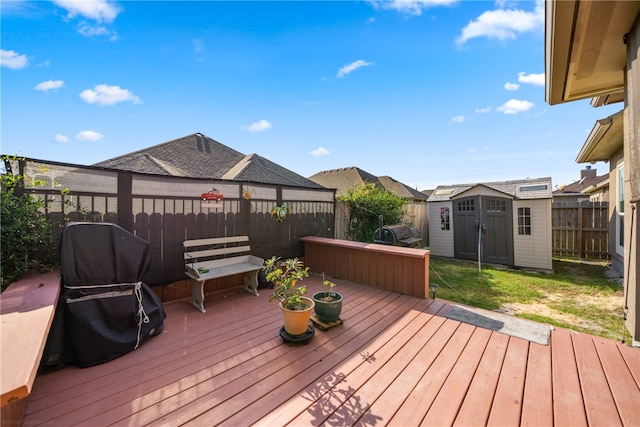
{"points": [[506, 222]]}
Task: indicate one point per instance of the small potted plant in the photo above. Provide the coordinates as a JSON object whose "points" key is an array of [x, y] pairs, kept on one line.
{"points": [[289, 293], [328, 303]]}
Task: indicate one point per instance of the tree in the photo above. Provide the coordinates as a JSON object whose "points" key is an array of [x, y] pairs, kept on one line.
{"points": [[366, 203]]}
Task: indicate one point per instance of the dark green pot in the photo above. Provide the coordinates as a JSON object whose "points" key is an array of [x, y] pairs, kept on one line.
{"points": [[327, 311]]}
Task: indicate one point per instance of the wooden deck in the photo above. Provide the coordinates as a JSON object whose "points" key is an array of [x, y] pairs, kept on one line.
{"points": [[396, 360]]}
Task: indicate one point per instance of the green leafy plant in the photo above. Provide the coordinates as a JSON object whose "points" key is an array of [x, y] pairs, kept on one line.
{"points": [[328, 295], [28, 237], [366, 203], [286, 276]]}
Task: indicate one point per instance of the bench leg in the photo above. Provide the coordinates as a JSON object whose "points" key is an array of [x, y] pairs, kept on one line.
{"points": [[251, 282], [197, 295]]}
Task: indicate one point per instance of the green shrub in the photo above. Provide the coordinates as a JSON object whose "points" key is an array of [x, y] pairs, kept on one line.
{"points": [[28, 238], [366, 203]]}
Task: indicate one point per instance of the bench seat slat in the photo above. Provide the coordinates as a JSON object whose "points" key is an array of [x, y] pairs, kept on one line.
{"points": [[225, 267], [215, 241], [215, 252]]}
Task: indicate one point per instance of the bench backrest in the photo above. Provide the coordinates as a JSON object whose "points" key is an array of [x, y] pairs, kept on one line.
{"points": [[214, 248]]}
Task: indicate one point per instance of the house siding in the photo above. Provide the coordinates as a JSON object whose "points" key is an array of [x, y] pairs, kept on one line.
{"points": [[535, 250], [440, 241], [617, 259]]}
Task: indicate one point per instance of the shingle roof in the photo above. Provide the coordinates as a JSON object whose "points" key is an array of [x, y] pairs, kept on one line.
{"points": [[537, 188], [199, 156], [577, 186], [400, 189], [344, 179]]}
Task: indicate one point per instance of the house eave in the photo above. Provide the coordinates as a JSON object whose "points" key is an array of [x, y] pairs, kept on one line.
{"points": [[603, 140], [585, 57]]}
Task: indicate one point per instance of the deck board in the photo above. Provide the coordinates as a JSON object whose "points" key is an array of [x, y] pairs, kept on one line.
{"points": [[507, 402], [598, 400], [477, 403], [568, 403], [396, 360]]}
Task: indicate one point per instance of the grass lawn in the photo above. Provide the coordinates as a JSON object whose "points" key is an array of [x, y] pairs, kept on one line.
{"points": [[576, 295]]}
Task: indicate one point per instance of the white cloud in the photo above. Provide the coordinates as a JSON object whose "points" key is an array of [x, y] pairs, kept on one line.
{"points": [[312, 103], [534, 79], [89, 30], [320, 151], [410, 7], [483, 110], [13, 60], [49, 85], [258, 126], [89, 135], [96, 10], [103, 94], [511, 86], [504, 24], [352, 67], [457, 119], [515, 106], [198, 45], [63, 139]]}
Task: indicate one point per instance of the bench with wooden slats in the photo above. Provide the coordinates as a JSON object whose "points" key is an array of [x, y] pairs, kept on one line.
{"points": [[212, 258]]}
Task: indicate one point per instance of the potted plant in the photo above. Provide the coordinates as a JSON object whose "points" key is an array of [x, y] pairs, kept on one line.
{"points": [[328, 303], [289, 293]]}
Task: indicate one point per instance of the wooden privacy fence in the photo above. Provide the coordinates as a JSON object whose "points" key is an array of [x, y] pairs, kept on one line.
{"points": [[165, 211], [581, 230]]}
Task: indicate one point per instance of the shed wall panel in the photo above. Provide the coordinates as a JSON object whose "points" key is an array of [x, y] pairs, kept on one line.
{"points": [[440, 241], [535, 250]]}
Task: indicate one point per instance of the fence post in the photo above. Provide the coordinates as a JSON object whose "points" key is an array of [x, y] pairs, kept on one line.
{"points": [[579, 232], [125, 201]]}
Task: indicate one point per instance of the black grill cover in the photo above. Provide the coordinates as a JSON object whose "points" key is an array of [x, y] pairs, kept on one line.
{"points": [[107, 309]]}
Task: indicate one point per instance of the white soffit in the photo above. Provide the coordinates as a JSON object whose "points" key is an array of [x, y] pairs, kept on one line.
{"points": [[585, 53], [603, 140]]}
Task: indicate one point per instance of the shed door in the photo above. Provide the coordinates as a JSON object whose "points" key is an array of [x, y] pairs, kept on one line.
{"points": [[493, 216], [466, 218], [497, 235]]}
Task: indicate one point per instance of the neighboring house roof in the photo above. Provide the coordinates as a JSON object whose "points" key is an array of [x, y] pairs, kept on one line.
{"points": [[400, 189], [344, 179], [198, 156], [588, 179], [538, 188]]}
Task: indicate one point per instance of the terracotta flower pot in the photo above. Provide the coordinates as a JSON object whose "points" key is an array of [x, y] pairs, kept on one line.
{"points": [[328, 306], [296, 322]]}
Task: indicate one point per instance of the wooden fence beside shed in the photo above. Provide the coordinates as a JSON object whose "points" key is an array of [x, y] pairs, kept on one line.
{"points": [[581, 230]]}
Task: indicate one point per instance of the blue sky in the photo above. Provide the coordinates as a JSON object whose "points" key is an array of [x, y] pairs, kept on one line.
{"points": [[426, 92]]}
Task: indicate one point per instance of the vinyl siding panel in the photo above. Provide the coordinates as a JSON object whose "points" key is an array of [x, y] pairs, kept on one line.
{"points": [[535, 250], [440, 241]]}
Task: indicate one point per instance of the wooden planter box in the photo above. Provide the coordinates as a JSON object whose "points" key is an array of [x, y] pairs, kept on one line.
{"points": [[393, 268]]}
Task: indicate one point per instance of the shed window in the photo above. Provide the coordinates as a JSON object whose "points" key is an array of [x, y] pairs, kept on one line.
{"points": [[496, 206], [445, 223], [524, 221], [466, 205]]}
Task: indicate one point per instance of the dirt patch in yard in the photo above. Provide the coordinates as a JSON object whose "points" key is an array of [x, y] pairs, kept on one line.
{"points": [[609, 303]]}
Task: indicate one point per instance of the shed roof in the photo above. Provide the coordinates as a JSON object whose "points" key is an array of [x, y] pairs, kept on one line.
{"points": [[536, 188], [198, 156]]}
